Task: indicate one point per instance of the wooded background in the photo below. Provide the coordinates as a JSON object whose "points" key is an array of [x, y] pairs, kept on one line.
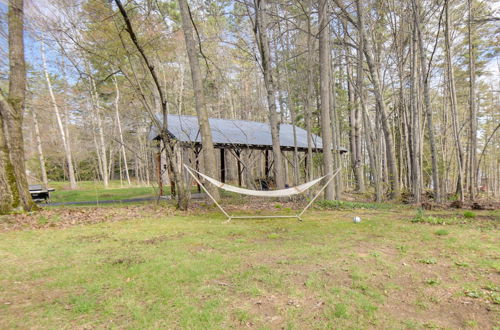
{"points": [[410, 88]]}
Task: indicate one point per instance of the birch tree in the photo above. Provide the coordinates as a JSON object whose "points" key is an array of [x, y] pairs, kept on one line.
{"points": [[60, 124]]}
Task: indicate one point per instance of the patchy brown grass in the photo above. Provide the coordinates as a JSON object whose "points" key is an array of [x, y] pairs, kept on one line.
{"points": [[157, 270]]}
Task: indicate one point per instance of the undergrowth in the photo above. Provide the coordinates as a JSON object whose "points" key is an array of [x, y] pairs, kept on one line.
{"points": [[344, 205], [420, 217]]}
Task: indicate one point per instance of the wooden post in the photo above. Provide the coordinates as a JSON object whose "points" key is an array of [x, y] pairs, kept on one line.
{"points": [[238, 153], [158, 167], [267, 163], [197, 165], [222, 165]]}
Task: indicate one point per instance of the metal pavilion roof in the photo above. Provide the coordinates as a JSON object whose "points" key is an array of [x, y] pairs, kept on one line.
{"points": [[230, 133]]}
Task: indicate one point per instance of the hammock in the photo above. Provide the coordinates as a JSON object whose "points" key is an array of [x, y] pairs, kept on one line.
{"points": [[261, 193]]}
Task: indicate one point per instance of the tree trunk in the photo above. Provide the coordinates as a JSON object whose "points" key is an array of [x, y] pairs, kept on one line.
{"points": [[381, 108], [120, 132], [62, 130], [425, 71], [472, 106], [370, 138], [13, 109], [415, 116], [101, 144], [334, 119], [308, 104], [265, 53], [292, 110], [183, 191], [453, 104], [39, 149], [199, 96], [6, 195], [354, 120], [324, 67]]}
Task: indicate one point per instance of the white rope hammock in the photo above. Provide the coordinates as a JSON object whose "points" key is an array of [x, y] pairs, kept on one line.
{"points": [[261, 193]]}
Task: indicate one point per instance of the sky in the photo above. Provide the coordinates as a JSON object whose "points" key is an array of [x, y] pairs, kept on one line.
{"points": [[34, 8]]}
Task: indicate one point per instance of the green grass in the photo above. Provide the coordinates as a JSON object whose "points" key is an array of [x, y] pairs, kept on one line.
{"points": [[102, 194], [345, 205], [192, 271], [88, 185], [94, 191], [469, 215]]}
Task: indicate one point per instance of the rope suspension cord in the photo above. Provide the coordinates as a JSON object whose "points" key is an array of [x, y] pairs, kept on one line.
{"points": [[260, 193]]}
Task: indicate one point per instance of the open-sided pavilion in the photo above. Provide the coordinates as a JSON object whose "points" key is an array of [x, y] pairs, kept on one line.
{"points": [[234, 136]]}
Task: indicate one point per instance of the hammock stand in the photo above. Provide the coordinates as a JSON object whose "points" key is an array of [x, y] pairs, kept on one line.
{"points": [[292, 191]]}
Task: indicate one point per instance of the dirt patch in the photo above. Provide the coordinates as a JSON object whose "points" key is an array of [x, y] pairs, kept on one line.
{"points": [[154, 240], [126, 261], [397, 284], [96, 238], [200, 248], [74, 216], [18, 297]]}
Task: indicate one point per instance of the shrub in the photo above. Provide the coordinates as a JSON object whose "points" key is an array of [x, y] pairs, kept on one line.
{"points": [[441, 232], [432, 281], [419, 216], [473, 293], [342, 205], [469, 215]]}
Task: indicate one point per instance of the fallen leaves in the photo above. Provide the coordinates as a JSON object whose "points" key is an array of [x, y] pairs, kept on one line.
{"points": [[74, 216]]}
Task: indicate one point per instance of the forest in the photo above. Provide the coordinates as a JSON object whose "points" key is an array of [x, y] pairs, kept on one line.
{"points": [[409, 88]]}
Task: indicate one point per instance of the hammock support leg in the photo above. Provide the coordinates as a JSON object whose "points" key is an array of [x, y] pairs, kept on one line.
{"points": [[318, 193], [206, 191]]}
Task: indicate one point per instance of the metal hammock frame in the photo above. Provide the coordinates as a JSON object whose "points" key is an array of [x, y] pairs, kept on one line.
{"points": [[230, 217]]}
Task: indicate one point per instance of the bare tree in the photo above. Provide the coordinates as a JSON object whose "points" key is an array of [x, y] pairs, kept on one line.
{"points": [[324, 67], [425, 67], [472, 105], [260, 31], [39, 148], [120, 131], [453, 103], [199, 95], [182, 191], [60, 124]]}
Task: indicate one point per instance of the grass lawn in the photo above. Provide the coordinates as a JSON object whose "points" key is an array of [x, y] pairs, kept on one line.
{"points": [[188, 270], [102, 194], [94, 191]]}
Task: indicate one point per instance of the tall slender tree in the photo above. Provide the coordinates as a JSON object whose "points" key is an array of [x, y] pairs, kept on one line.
{"points": [[192, 48], [60, 123], [324, 67], [261, 34], [472, 104], [450, 77]]}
